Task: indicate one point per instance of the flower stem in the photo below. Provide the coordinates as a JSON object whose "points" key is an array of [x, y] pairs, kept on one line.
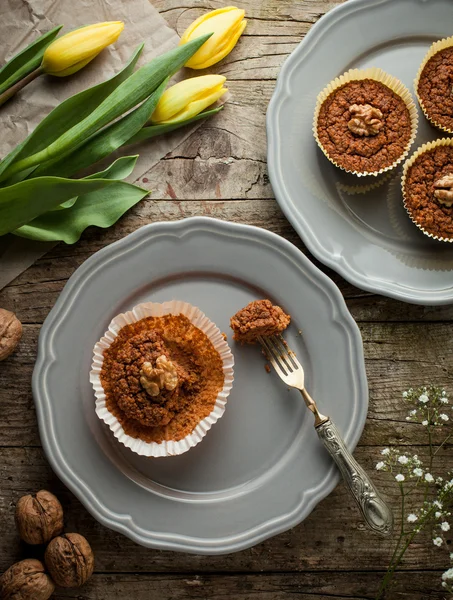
{"points": [[19, 85]]}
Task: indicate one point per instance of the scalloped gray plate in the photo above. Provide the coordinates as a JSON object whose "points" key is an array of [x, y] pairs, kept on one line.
{"points": [[366, 237], [260, 469]]}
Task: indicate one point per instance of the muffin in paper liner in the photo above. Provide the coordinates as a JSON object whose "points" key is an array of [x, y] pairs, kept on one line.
{"points": [[409, 162], [433, 50], [389, 81], [199, 320]]}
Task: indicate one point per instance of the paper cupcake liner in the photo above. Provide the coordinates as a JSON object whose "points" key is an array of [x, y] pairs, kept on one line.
{"points": [[434, 49], [409, 162], [388, 80], [154, 309], [355, 190]]}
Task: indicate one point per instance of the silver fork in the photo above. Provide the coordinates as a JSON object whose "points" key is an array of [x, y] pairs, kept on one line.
{"points": [[375, 511]]}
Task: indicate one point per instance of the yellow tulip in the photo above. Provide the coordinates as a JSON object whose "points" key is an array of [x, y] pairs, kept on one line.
{"points": [[188, 98], [71, 52], [226, 24]]}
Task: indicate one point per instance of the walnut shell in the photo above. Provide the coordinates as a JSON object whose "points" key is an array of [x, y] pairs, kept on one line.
{"points": [[39, 517], [10, 333], [69, 559], [26, 580]]}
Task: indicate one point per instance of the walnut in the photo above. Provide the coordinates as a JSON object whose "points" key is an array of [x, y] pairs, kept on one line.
{"points": [[10, 333], [444, 190], [39, 517], [366, 120], [26, 580], [164, 375], [69, 559]]}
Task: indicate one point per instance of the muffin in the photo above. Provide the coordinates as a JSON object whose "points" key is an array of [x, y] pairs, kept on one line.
{"points": [[427, 186], [365, 121], [433, 85], [259, 318], [161, 375]]}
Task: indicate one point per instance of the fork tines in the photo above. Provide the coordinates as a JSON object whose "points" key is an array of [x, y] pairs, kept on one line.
{"points": [[279, 354]]}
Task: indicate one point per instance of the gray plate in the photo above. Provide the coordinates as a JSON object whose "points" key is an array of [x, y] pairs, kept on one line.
{"points": [[368, 238], [261, 468]]}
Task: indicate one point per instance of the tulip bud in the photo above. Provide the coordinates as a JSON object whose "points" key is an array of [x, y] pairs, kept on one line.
{"points": [[188, 98], [226, 24], [71, 52]]}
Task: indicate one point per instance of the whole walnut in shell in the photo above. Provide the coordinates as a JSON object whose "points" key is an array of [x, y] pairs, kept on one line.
{"points": [[10, 333], [39, 517], [69, 560], [26, 580]]}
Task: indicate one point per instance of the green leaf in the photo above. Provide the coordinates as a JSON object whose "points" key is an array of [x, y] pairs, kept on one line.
{"points": [[147, 133], [127, 95], [119, 169], [105, 142], [101, 208], [24, 201], [66, 115], [26, 61]]}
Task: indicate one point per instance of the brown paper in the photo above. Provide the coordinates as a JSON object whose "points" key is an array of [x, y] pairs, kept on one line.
{"points": [[21, 21]]}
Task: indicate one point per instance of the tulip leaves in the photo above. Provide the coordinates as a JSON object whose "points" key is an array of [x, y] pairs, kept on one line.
{"points": [[26, 61], [38, 200]]}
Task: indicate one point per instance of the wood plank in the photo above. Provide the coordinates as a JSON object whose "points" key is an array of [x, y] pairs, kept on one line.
{"points": [[332, 538], [301, 586]]}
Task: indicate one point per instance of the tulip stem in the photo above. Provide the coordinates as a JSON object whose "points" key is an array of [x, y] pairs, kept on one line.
{"points": [[19, 85]]}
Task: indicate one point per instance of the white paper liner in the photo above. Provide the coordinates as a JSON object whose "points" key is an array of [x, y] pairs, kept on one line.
{"points": [[154, 309], [407, 165], [389, 81]]}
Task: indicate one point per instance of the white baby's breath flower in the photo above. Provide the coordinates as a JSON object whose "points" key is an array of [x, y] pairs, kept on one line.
{"points": [[448, 575], [429, 478], [399, 477], [385, 451], [412, 518], [380, 465], [444, 400], [425, 423], [403, 459], [423, 399], [404, 394], [445, 526], [413, 413], [438, 504], [443, 416], [437, 541], [418, 472], [451, 555], [438, 514]]}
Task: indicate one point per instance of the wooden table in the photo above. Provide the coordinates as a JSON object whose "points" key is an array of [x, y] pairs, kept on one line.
{"points": [[220, 171]]}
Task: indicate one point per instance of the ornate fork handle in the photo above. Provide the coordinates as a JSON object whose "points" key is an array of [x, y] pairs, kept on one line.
{"points": [[377, 514]]}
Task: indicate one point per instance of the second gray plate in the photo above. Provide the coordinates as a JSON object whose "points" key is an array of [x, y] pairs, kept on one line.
{"points": [[367, 237], [261, 469]]}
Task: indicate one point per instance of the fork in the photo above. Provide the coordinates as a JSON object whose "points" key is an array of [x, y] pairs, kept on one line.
{"points": [[377, 514]]}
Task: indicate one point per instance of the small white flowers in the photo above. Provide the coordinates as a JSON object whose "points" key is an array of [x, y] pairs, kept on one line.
{"points": [[437, 541], [425, 423], [412, 518], [418, 472], [423, 399], [429, 478], [438, 504], [443, 416], [385, 452], [448, 575], [438, 514], [403, 460], [404, 394], [445, 526], [380, 466], [400, 477]]}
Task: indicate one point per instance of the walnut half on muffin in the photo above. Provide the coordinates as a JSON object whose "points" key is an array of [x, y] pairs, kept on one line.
{"points": [[259, 318]]}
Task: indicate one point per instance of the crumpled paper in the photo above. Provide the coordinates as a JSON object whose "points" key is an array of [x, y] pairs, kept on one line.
{"points": [[21, 21]]}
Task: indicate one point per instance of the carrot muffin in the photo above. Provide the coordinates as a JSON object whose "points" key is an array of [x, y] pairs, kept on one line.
{"points": [[259, 318], [362, 124], [161, 377], [428, 189], [434, 85]]}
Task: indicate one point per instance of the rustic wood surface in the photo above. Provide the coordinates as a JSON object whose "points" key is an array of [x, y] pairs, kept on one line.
{"points": [[221, 171]]}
